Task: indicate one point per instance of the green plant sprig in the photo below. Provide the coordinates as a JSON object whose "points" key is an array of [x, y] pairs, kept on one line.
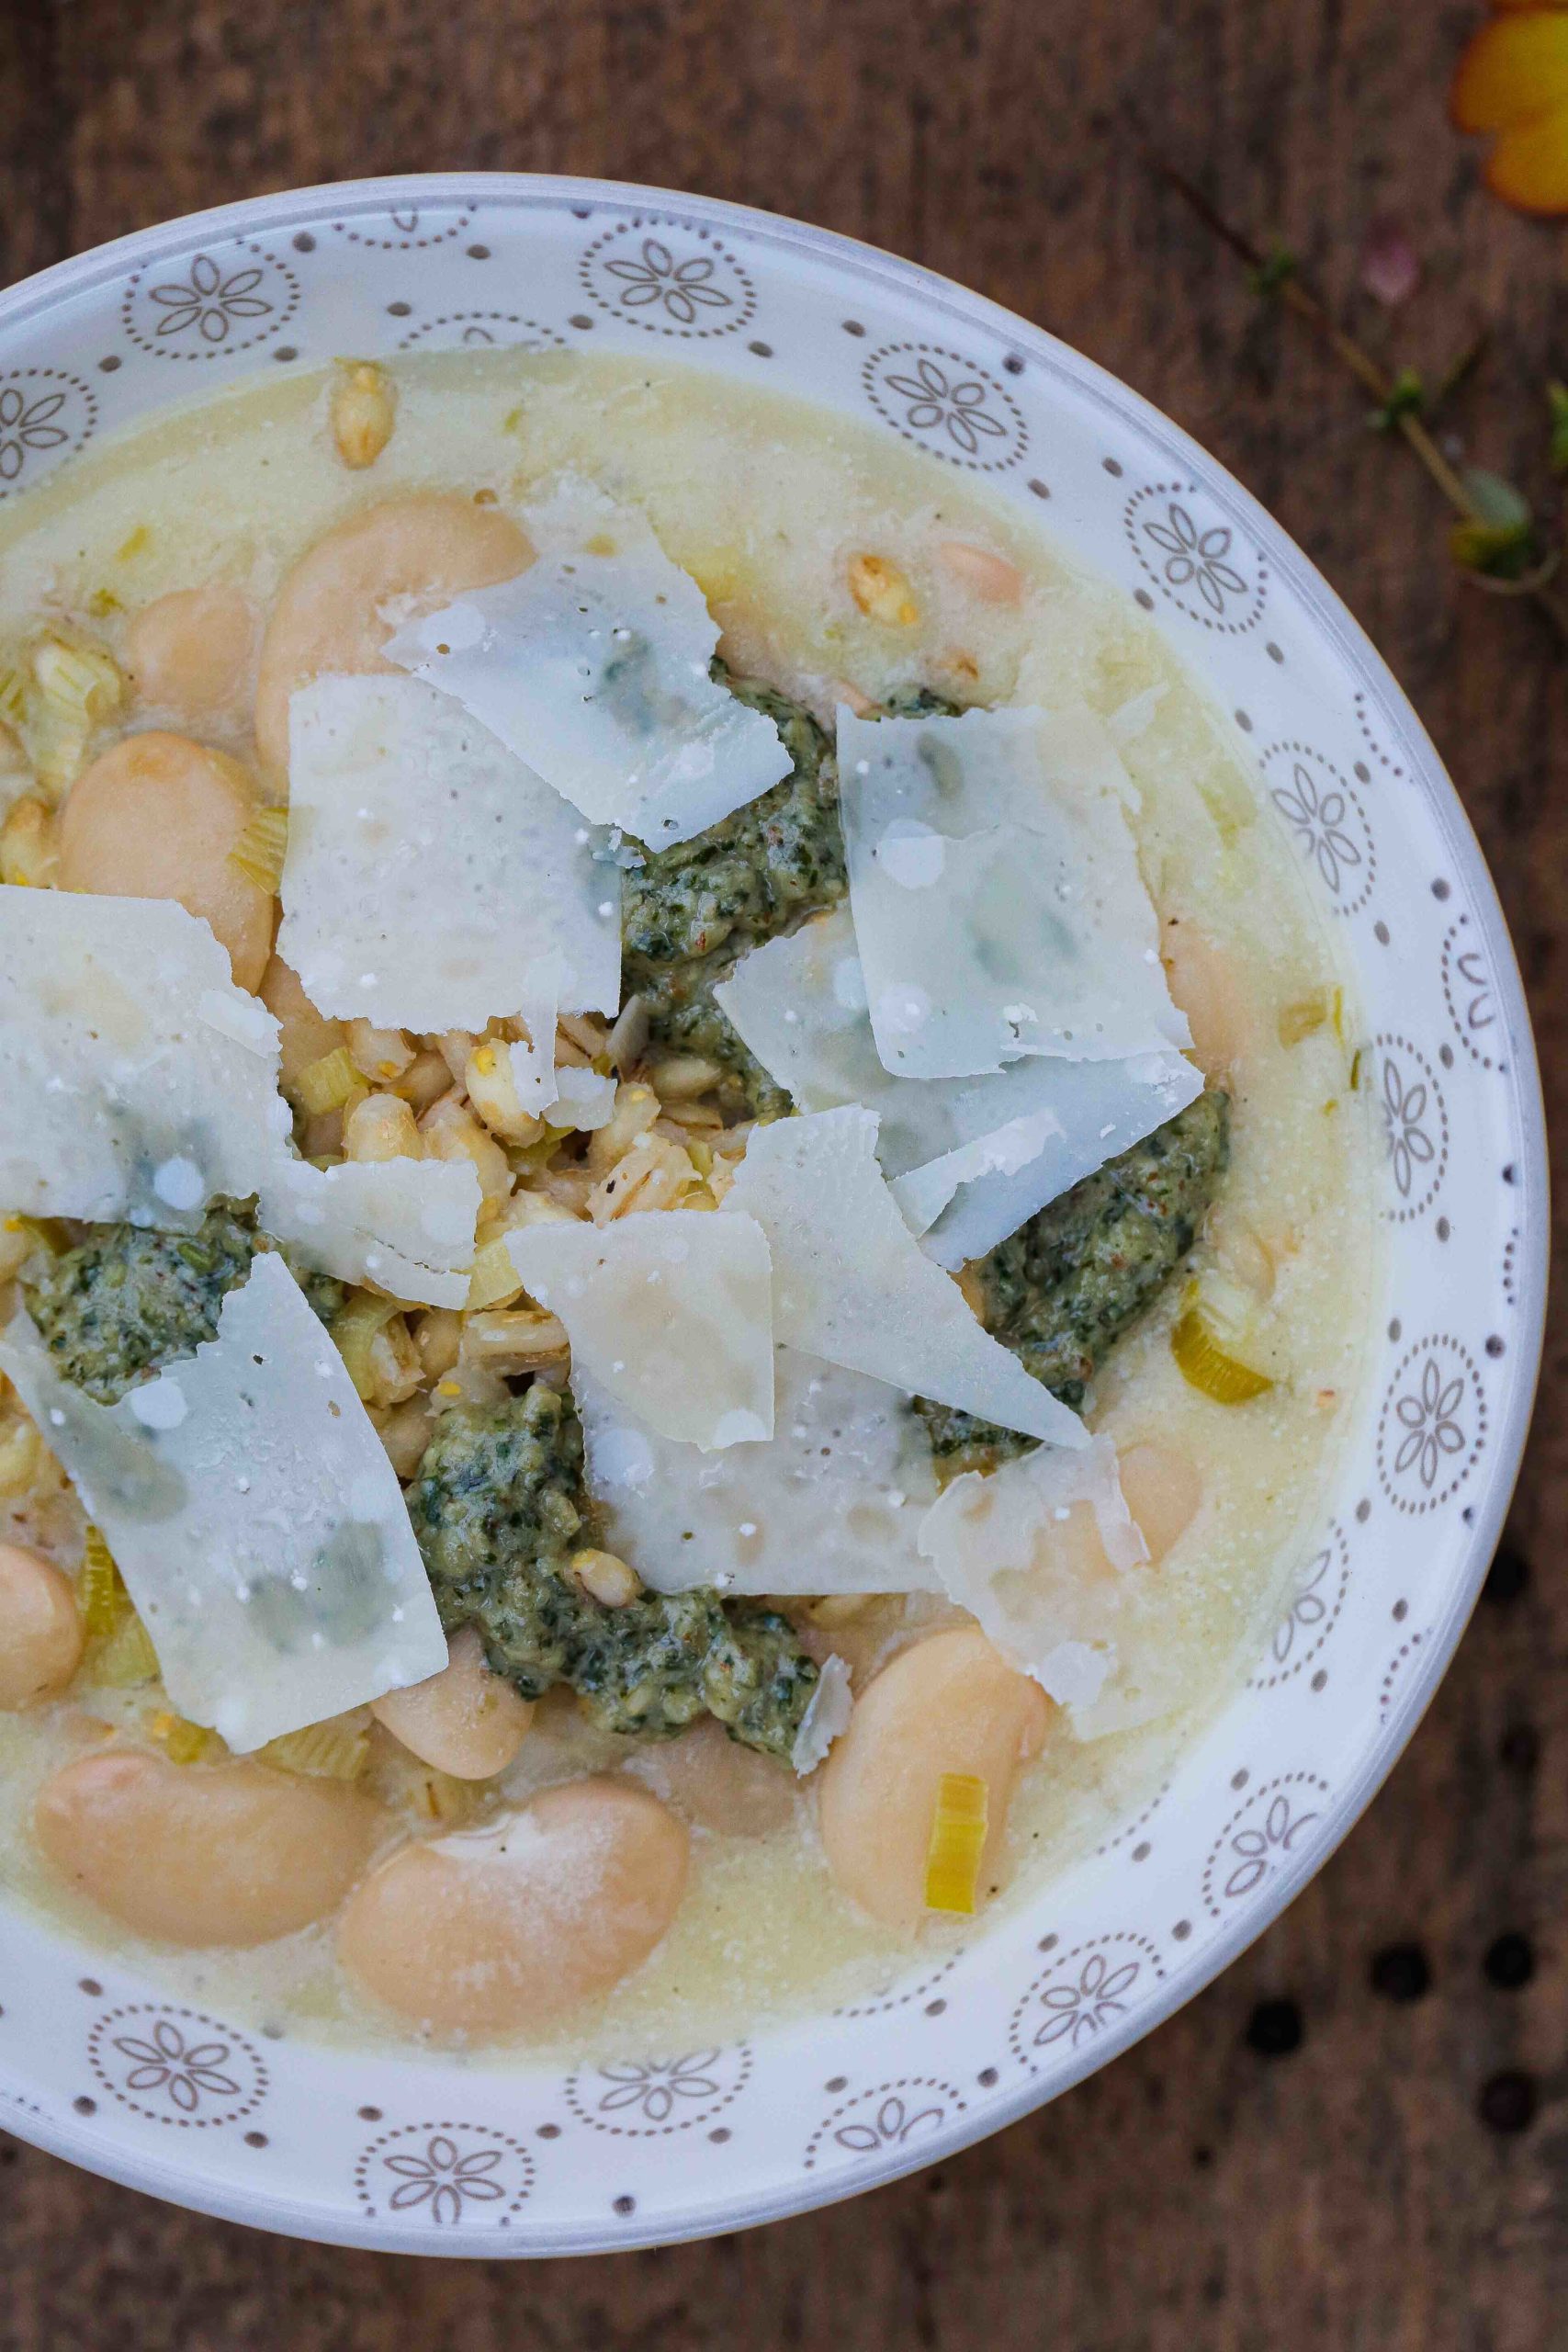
{"points": [[1495, 539]]}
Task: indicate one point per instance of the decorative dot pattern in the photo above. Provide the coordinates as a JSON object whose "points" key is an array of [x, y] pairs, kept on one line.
{"points": [[1201, 564], [1432, 1425], [947, 404], [670, 278]]}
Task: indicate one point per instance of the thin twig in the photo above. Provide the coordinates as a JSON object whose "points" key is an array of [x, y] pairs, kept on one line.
{"points": [[1454, 375], [1296, 296]]}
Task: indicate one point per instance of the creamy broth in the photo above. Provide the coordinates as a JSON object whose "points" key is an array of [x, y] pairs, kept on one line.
{"points": [[768, 505]]}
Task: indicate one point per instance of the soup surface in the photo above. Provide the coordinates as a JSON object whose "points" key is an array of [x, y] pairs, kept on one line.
{"points": [[1203, 1305]]}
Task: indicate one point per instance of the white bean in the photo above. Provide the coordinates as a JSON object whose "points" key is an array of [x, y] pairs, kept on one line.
{"points": [[201, 1854], [41, 1631], [333, 612], [1210, 989], [464, 1719], [1163, 1490], [189, 653], [989, 578], [155, 817], [405, 1432], [381, 1127], [305, 1034], [486, 1930], [950, 1703], [715, 1781]]}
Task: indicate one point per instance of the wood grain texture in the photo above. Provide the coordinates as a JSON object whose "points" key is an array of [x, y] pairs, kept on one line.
{"points": [[1347, 2194]]}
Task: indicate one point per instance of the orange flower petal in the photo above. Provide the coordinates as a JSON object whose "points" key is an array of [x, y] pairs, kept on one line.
{"points": [[1528, 165], [1516, 67]]}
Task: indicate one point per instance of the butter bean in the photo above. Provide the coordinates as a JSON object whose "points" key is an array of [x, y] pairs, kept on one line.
{"points": [[202, 1855], [464, 1719], [1209, 988], [486, 1930], [155, 817], [1163, 1490], [332, 613], [41, 1632], [950, 1703], [305, 1034], [712, 1780], [189, 653]]}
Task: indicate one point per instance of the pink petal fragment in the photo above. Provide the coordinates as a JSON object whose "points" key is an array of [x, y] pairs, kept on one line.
{"points": [[1391, 267]]}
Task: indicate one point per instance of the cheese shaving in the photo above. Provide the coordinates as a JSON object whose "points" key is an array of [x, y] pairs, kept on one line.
{"points": [[405, 1225], [832, 1504], [140, 1082], [995, 1148], [254, 1517], [850, 1282], [672, 1312], [826, 1716], [1091, 1113], [593, 666], [428, 871], [997, 899], [1011, 1548]]}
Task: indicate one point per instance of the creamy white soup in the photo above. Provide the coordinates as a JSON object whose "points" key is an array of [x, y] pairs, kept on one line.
{"points": [[685, 1222]]}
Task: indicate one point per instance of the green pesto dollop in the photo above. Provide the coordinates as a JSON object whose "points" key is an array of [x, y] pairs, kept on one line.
{"points": [[690, 912], [127, 1300], [1064, 1288], [499, 1507]]}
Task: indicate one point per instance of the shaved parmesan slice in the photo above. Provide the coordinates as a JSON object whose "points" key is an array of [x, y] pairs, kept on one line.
{"points": [[826, 1716], [137, 1078], [532, 1065], [254, 1516], [1090, 1111], [593, 666], [831, 1504], [998, 903], [850, 1282], [405, 1225], [139, 1082], [587, 1098], [429, 871], [997, 1147], [671, 1312], [1003, 1547], [799, 1002]]}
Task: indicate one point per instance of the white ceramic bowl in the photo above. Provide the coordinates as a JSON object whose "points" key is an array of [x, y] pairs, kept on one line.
{"points": [[419, 2155]]}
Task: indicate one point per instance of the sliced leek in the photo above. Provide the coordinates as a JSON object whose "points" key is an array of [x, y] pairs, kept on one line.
{"points": [[422, 1792], [1302, 1018], [1209, 1367], [335, 1750], [260, 850], [957, 1842], [328, 1085], [81, 683], [183, 1742], [127, 1657], [494, 1278], [356, 1329], [103, 1598]]}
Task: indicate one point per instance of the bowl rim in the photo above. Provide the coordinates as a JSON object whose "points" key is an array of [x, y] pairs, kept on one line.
{"points": [[35, 296]]}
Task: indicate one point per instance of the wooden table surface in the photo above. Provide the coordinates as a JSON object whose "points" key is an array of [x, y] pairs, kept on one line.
{"points": [[1396, 2177]]}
